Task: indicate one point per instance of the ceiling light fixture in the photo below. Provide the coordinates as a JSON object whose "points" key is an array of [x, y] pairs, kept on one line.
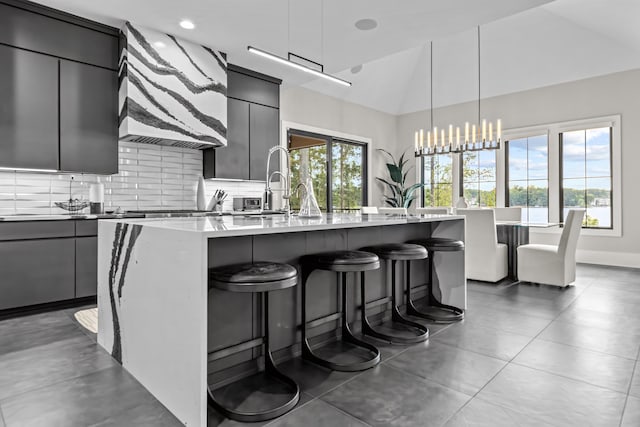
{"points": [[159, 45], [28, 170], [475, 138], [298, 66], [187, 25]]}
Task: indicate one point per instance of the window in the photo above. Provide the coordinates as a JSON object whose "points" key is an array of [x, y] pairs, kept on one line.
{"points": [[337, 168], [438, 180], [527, 172], [479, 178], [585, 175]]}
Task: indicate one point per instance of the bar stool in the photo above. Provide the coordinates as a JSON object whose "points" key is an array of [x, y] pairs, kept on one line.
{"points": [[262, 277], [393, 253], [342, 262], [437, 311]]}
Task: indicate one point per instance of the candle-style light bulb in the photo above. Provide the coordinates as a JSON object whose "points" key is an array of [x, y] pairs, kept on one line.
{"points": [[442, 138], [499, 130], [429, 140], [466, 133], [435, 136], [450, 134], [484, 130], [457, 137], [490, 131], [473, 134], [421, 139], [416, 141]]}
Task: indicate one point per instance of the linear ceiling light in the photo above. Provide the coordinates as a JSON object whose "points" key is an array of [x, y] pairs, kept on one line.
{"points": [[297, 66]]}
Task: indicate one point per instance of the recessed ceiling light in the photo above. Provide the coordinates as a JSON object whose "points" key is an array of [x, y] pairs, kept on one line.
{"points": [[366, 24], [187, 25], [356, 69], [160, 45]]}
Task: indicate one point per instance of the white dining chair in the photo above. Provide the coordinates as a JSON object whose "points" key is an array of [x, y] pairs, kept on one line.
{"points": [[508, 214], [550, 264], [368, 210], [392, 211], [485, 258], [432, 211]]}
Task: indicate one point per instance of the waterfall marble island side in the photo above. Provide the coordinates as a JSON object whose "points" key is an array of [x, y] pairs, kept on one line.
{"points": [[159, 319]]}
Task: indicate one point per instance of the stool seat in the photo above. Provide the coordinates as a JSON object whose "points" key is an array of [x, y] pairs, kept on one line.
{"points": [[343, 261], [253, 277], [440, 244], [398, 251]]}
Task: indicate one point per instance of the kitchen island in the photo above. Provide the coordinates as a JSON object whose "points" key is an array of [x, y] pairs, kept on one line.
{"points": [[158, 318]]}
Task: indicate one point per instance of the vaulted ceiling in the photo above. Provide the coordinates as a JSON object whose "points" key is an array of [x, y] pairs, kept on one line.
{"points": [[524, 43]]}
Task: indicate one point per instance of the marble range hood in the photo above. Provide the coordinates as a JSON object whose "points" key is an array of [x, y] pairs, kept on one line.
{"points": [[171, 91]]}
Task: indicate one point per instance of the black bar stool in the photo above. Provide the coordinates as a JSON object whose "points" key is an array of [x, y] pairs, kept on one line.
{"points": [[436, 310], [392, 253], [342, 262], [262, 277]]}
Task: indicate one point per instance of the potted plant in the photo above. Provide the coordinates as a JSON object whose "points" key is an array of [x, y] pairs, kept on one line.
{"points": [[401, 196]]}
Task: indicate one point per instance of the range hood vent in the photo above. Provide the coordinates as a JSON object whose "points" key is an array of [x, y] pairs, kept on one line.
{"points": [[171, 91]]}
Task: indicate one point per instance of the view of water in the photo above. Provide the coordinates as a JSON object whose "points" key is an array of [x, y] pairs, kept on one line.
{"points": [[602, 214]]}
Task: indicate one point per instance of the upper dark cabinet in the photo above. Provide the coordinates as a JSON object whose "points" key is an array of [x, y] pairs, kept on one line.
{"points": [[28, 109], [232, 161], [88, 119], [62, 35], [253, 118], [264, 128], [253, 88]]}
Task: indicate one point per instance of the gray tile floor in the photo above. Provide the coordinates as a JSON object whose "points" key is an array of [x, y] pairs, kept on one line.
{"points": [[525, 355]]}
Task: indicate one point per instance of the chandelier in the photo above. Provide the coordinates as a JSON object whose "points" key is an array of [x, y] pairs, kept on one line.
{"points": [[476, 137]]}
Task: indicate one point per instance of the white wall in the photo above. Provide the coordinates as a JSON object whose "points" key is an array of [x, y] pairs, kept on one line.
{"points": [[311, 108], [595, 97]]}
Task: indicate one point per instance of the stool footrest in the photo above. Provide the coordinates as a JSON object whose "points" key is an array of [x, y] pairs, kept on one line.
{"points": [[271, 371], [442, 313], [396, 317], [347, 336]]}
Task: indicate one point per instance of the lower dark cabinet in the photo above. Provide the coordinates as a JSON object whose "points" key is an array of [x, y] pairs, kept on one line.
{"points": [[86, 267], [36, 272]]}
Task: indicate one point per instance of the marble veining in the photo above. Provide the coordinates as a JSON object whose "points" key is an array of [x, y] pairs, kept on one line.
{"points": [[172, 92], [118, 284]]}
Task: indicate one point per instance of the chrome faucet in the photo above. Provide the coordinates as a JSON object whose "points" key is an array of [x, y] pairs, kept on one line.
{"points": [[268, 193]]}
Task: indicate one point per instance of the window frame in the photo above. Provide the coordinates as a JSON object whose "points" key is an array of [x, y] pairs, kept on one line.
{"points": [[423, 191], [506, 170], [561, 178], [553, 131], [329, 140], [497, 176]]}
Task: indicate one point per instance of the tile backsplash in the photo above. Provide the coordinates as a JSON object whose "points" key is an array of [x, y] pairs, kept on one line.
{"points": [[150, 177]]}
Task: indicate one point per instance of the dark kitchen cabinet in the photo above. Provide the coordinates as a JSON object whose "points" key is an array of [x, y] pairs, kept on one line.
{"points": [[253, 126], [38, 28], [232, 161], [88, 119], [28, 109], [36, 271], [264, 131], [86, 267]]}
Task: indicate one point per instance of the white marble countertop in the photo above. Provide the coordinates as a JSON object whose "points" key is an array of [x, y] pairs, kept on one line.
{"points": [[227, 226]]}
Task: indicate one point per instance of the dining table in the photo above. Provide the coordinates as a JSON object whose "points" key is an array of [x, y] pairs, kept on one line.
{"points": [[514, 234]]}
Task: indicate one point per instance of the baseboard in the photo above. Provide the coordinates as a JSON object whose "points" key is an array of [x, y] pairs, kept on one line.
{"points": [[616, 259]]}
